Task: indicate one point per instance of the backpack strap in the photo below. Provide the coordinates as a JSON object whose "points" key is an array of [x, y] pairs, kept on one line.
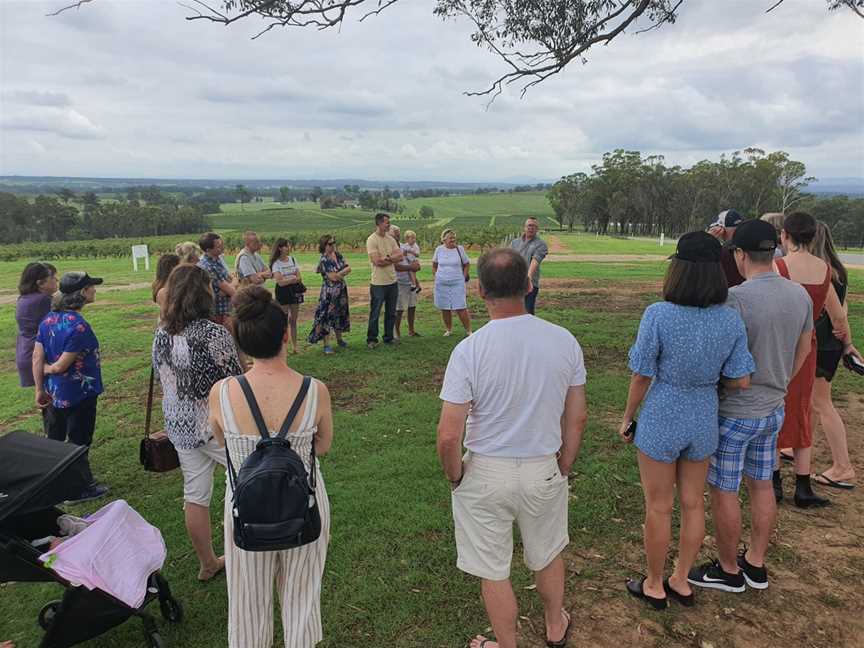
{"points": [[253, 407], [295, 407]]}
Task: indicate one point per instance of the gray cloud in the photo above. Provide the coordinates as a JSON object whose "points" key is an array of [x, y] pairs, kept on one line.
{"points": [[155, 95]]}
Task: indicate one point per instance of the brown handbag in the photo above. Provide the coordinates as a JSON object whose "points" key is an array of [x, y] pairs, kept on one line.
{"points": [[156, 453]]}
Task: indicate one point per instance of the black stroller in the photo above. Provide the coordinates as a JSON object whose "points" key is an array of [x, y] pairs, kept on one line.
{"points": [[36, 474]]}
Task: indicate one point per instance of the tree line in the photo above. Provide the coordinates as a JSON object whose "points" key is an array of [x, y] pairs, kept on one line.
{"points": [[631, 194], [50, 218]]}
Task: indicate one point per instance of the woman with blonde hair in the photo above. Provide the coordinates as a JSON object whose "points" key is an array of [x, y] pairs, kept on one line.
{"points": [[776, 219], [829, 351], [188, 252], [450, 266]]}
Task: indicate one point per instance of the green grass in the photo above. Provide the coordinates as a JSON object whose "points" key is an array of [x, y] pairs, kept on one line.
{"points": [[390, 578]]}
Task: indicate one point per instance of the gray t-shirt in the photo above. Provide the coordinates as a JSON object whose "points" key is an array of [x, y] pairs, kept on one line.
{"points": [[249, 263], [776, 312], [536, 248]]}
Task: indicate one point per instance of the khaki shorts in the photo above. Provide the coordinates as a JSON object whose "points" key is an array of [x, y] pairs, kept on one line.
{"points": [[494, 493], [197, 466], [407, 298]]}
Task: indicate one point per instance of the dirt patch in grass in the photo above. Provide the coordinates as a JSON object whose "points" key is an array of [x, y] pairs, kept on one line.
{"points": [[556, 246], [815, 561], [347, 391], [631, 297]]}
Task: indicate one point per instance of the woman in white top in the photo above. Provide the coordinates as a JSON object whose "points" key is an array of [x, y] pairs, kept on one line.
{"points": [[261, 331], [286, 274], [450, 266]]}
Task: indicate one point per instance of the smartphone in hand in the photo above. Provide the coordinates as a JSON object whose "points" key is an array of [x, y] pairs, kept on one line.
{"points": [[630, 432]]}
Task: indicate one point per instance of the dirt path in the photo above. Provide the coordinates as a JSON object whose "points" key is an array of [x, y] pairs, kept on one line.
{"points": [[556, 246]]}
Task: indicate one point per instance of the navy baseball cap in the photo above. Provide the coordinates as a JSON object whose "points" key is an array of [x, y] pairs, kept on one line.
{"points": [[728, 218], [755, 236], [698, 247], [72, 281]]}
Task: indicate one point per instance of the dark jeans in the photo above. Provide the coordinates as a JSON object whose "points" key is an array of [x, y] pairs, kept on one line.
{"points": [[75, 424], [531, 299], [378, 295]]}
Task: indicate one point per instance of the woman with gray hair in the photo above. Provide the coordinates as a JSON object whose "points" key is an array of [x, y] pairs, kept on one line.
{"points": [[450, 266], [66, 369]]}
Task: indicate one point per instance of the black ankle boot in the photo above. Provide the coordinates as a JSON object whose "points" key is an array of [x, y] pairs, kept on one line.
{"points": [[777, 480], [804, 495]]}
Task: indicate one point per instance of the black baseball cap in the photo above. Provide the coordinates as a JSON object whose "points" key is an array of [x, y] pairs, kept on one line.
{"points": [[728, 218], [755, 236], [72, 281], [698, 247]]}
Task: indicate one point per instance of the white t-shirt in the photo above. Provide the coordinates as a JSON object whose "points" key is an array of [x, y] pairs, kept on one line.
{"points": [[515, 372], [285, 268], [450, 262]]}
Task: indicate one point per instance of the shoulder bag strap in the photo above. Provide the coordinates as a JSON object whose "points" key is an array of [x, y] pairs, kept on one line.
{"points": [[295, 407], [149, 404], [253, 407]]}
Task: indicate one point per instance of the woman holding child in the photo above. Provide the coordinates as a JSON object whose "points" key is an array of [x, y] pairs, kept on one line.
{"points": [[677, 363]]}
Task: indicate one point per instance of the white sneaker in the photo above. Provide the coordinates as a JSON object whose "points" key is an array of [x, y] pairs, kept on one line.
{"points": [[447, 333]]}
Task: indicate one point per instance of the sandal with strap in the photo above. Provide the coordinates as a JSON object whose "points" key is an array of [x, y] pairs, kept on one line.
{"points": [[563, 641]]}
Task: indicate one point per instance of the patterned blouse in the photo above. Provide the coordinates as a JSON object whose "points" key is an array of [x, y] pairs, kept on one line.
{"points": [[188, 365], [66, 331]]}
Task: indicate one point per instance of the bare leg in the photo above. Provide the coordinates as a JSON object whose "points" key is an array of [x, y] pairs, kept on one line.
{"points": [[326, 339], [397, 324], [835, 432], [726, 511], [691, 486], [763, 513], [802, 460], [550, 586], [198, 528], [658, 485], [292, 323], [447, 316], [465, 318], [412, 312], [501, 607]]}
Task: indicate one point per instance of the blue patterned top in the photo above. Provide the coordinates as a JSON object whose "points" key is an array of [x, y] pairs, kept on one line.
{"points": [[686, 349], [63, 331], [218, 273]]}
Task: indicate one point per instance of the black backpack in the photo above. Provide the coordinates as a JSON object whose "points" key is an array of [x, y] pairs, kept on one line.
{"points": [[274, 504]]}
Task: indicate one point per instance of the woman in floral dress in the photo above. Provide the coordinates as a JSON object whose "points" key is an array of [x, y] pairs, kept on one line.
{"points": [[331, 316]]}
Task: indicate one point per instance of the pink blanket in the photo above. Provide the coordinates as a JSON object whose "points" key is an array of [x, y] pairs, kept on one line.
{"points": [[116, 553]]}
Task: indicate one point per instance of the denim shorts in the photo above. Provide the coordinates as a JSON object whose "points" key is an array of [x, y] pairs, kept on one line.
{"points": [[747, 447]]}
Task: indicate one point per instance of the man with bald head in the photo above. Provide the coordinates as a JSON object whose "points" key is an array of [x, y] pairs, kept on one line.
{"points": [[250, 267]]}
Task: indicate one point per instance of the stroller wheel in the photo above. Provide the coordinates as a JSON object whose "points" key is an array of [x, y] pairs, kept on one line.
{"points": [[154, 640], [171, 610], [47, 614]]}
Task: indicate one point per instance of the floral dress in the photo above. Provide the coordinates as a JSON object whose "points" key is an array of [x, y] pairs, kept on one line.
{"points": [[332, 312]]}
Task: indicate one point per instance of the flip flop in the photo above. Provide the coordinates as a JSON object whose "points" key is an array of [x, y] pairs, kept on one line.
{"points": [[483, 641], [824, 480], [787, 457], [563, 641]]}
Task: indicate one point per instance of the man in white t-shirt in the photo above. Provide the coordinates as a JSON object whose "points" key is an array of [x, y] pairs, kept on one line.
{"points": [[519, 382]]}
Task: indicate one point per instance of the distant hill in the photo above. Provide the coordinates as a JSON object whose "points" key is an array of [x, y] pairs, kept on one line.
{"points": [[838, 186]]}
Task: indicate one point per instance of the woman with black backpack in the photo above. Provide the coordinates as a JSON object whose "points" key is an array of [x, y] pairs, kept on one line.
{"points": [[293, 413]]}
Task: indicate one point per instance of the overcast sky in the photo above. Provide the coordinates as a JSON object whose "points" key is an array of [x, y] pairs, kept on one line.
{"points": [[131, 89]]}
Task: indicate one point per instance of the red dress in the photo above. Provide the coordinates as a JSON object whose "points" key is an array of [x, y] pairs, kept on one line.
{"points": [[796, 431]]}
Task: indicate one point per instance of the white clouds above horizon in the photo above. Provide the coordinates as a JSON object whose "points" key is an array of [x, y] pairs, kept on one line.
{"points": [[130, 88]]}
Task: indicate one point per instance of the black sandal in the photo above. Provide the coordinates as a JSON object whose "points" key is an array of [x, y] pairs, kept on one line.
{"points": [[687, 601], [563, 641], [635, 588]]}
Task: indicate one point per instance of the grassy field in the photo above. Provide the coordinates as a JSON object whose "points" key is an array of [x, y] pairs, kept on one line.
{"points": [[391, 578], [499, 210]]}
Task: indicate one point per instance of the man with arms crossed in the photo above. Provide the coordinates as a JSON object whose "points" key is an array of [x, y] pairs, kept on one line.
{"points": [[213, 246], [778, 315], [522, 437], [250, 267], [384, 253], [533, 249]]}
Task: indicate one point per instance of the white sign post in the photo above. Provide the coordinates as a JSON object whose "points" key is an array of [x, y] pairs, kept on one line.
{"points": [[140, 252], [662, 238]]}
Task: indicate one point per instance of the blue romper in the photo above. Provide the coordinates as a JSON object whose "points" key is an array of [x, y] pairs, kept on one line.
{"points": [[685, 349]]}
